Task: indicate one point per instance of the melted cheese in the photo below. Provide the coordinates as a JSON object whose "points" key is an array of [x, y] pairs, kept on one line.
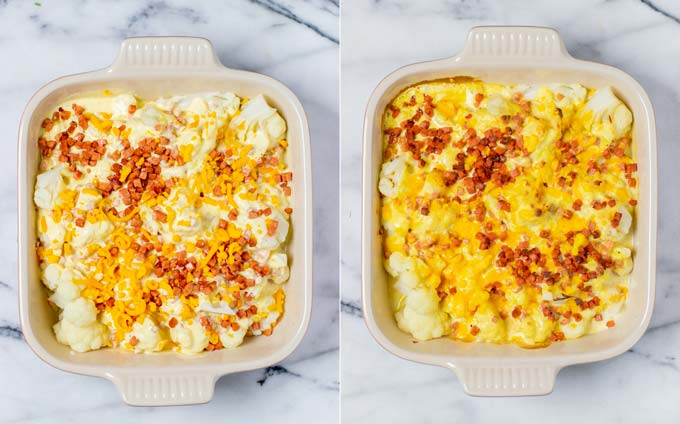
{"points": [[444, 237]]}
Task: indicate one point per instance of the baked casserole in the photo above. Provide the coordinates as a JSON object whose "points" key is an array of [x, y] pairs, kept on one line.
{"points": [[507, 211]]}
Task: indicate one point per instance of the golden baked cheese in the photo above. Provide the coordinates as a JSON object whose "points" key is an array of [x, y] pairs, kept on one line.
{"points": [[507, 211]]}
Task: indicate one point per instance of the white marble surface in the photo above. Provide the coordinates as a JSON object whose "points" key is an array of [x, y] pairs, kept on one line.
{"points": [[641, 37], [292, 41]]}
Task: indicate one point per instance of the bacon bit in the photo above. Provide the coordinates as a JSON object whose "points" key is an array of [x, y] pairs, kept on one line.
{"points": [[577, 205], [205, 322], [567, 214], [478, 99], [474, 330], [544, 234], [132, 109], [611, 323], [557, 336], [272, 225], [516, 312], [47, 124], [616, 220], [268, 332], [598, 317], [80, 222], [425, 210], [504, 205], [597, 204], [633, 202], [172, 323], [160, 216], [133, 341], [77, 109], [288, 210], [547, 311], [631, 167]]}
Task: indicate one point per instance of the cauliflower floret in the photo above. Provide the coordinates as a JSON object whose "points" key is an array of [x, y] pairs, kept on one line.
{"points": [[82, 339], [231, 338], [421, 316], [391, 176], [121, 105], [623, 261], [48, 185], [497, 105], [259, 125], [88, 199], [403, 269], [65, 291], [612, 119], [574, 329], [261, 226], [55, 275], [278, 264], [80, 312], [187, 222], [191, 338], [53, 237], [219, 307], [148, 336], [145, 122], [91, 233], [621, 230], [79, 328]]}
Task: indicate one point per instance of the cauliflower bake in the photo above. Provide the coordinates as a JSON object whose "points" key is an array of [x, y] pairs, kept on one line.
{"points": [[162, 224], [507, 211]]}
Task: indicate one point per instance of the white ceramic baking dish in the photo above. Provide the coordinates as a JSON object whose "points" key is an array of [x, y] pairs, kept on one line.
{"points": [[512, 55], [152, 67]]}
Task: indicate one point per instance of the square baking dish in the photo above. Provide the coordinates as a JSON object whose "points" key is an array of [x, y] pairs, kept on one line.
{"points": [[512, 55], [152, 67]]}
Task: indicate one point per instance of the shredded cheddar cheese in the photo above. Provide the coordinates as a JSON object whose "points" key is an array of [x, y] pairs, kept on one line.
{"points": [[156, 228]]}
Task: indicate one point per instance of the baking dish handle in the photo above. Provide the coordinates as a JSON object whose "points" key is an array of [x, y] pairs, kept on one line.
{"points": [[514, 43], [140, 54], [146, 389], [519, 380]]}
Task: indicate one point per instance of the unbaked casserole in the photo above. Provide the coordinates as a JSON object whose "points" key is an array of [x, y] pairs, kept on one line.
{"points": [[163, 223], [507, 210]]}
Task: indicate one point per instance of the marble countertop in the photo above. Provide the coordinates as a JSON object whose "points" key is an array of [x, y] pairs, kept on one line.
{"points": [[640, 37], [294, 42]]}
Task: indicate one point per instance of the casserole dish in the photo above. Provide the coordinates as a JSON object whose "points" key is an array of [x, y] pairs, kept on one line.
{"points": [[153, 67], [511, 55]]}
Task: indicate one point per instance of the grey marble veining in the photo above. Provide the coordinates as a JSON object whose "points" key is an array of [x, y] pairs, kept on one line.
{"points": [[295, 42], [640, 37]]}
